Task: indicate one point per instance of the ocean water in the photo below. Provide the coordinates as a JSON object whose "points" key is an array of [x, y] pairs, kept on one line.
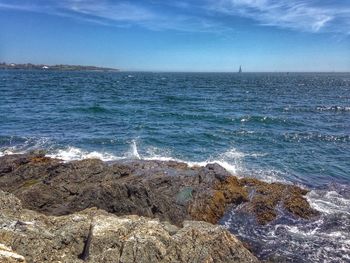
{"points": [[293, 128]]}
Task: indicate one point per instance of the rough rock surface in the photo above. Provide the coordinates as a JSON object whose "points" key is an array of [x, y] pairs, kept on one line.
{"points": [[8, 256], [94, 235], [170, 191]]}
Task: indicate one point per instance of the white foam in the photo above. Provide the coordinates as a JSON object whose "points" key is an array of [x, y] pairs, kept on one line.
{"points": [[229, 167], [228, 160], [231, 160], [74, 154], [28, 145], [328, 202], [134, 151], [10, 151]]}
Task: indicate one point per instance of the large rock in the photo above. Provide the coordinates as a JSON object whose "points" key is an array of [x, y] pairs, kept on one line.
{"points": [[94, 235], [170, 191]]}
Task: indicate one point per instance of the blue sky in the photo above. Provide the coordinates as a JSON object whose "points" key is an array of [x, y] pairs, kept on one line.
{"points": [[179, 35]]}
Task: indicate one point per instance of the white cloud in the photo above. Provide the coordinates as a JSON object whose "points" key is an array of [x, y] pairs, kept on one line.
{"points": [[299, 14], [121, 14], [121, 11], [198, 15]]}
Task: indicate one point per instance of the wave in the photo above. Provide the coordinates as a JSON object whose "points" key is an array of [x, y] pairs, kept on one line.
{"points": [[232, 160], [20, 145], [330, 201], [317, 109], [315, 136], [225, 120], [74, 154], [325, 239], [263, 119], [333, 108], [236, 162], [95, 109]]}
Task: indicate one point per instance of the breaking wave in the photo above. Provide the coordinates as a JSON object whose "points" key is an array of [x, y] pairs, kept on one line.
{"points": [[326, 239], [232, 160]]}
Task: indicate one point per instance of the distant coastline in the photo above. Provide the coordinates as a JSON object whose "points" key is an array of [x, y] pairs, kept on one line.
{"points": [[30, 66]]}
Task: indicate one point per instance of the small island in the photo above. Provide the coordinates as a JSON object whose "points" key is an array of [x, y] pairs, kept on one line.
{"points": [[30, 66]]}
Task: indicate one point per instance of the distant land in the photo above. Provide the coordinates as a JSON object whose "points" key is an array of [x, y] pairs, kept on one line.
{"points": [[29, 66]]}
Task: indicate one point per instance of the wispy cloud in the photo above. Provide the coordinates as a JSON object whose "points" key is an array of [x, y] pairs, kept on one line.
{"points": [[16, 6], [116, 11], [147, 14], [305, 15], [198, 15]]}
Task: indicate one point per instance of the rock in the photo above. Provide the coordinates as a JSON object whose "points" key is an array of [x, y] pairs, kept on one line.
{"points": [[210, 206], [94, 235], [170, 191], [8, 202], [266, 197], [8, 256]]}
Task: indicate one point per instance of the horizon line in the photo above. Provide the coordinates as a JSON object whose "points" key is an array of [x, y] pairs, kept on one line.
{"points": [[174, 71]]}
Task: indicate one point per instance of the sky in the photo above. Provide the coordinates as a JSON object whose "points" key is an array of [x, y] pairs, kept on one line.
{"points": [[179, 35]]}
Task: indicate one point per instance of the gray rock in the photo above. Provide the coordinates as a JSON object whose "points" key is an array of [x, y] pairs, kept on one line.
{"points": [[94, 235], [170, 191]]}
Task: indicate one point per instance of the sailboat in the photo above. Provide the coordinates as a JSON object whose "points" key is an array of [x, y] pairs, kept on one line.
{"points": [[240, 69]]}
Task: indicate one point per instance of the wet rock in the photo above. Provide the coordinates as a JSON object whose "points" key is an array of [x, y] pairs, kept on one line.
{"points": [[211, 205], [170, 191], [266, 197], [94, 235]]}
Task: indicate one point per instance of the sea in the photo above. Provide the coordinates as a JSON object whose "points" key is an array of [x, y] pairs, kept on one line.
{"points": [[277, 127]]}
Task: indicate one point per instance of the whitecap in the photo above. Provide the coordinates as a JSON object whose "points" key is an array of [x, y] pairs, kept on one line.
{"points": [[333, 108]]}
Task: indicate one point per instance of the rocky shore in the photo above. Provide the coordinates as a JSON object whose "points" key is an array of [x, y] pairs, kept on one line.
{"points": [[130, 211]]}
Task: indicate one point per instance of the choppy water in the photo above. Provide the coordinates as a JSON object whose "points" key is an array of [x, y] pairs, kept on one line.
{"points": [[285, 127]]}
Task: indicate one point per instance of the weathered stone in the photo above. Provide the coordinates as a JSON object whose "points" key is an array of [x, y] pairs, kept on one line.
{"points": [[170, 191], [94, 235], [266, 196], [210, 205], [8, 256]]}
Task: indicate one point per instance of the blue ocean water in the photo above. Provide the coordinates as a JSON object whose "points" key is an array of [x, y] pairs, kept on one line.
{"points": [[294, 127], [274, 126]]}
